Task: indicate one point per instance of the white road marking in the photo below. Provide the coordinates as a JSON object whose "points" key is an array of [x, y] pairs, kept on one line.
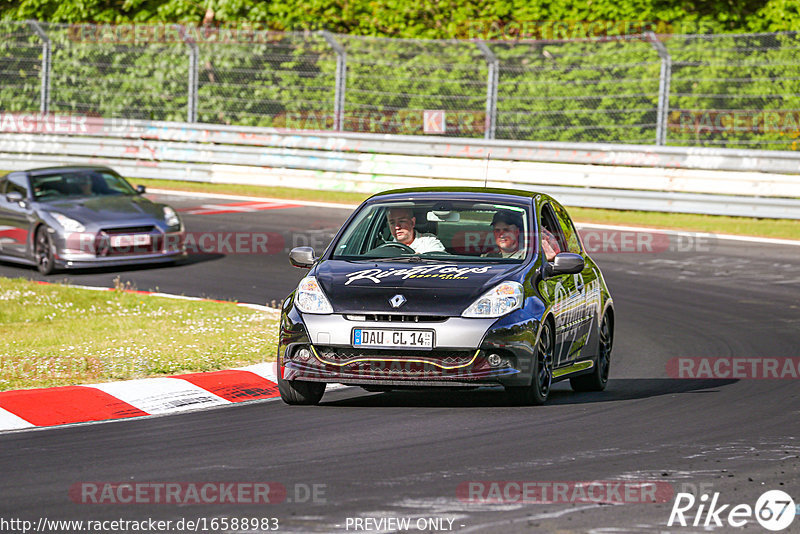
{"points": [[161, 395], [9, 421]]}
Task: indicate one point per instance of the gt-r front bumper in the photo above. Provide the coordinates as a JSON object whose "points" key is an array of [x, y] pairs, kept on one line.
{"points": [[73, 253]]}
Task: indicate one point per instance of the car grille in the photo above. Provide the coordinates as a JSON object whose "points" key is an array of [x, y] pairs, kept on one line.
{"points": [[129, 230], [384, 358], [388, 318]]}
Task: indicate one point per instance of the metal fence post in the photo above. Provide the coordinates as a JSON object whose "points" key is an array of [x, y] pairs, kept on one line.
{"points": [[491, 89], [191, 105], [341, 80], [44, 104], [663, 88]]}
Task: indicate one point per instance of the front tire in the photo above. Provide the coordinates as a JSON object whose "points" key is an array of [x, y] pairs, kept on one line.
{"points": [[298, 392], [542, 380], [43, 251], [598, 378]]}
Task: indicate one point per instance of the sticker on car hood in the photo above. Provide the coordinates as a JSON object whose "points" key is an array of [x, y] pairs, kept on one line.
{"points": [[442, 272]]}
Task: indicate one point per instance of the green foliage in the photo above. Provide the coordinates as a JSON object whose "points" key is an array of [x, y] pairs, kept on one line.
{"points": [[776, 16], [583, 90], [421, 18]]}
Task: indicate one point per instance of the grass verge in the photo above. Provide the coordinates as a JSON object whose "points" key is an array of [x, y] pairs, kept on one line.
{"points": [[59, 335], [776, 228]]}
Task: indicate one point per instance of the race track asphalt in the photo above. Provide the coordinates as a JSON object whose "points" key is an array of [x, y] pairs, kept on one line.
{"points": [[406, 454]]}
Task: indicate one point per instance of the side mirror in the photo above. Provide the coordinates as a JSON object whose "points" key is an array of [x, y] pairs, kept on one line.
{"points": [[302, 257], [567, 263], [141, 189], [15, 196]]}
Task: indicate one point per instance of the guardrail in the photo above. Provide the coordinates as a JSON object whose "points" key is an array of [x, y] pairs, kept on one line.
{"points": [[643, 177]]}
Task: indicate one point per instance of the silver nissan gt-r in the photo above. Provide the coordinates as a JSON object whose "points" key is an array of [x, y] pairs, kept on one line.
{"points": [[83, 216]]}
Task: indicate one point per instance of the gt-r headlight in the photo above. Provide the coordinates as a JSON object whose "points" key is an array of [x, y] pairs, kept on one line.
{"points": [[499, 300], [70, 225], [170, 217], [310, 298]]}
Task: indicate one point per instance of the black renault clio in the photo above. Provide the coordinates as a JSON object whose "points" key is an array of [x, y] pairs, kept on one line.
{"points": [[448, 287]]}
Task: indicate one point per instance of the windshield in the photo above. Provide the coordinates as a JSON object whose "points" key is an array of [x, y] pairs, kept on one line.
{"points": [[468, 231], [80, 183]]}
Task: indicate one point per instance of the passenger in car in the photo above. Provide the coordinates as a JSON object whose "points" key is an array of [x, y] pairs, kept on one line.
{"points": [[506, 226], [402, 224]]}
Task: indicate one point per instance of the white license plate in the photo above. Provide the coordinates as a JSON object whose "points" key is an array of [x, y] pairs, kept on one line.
{"points": [[384, 337], [135, 240]]}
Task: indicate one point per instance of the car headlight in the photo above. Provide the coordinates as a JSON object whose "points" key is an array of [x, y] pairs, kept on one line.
{"points": [[170, 217], [70, 225], [498, 301], [310, 298]]}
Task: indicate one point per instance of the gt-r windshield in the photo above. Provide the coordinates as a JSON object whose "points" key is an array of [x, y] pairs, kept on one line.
{"points": [[444, 230], [79, 183]]}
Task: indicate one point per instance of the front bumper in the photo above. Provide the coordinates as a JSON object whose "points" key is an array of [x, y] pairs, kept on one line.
{"points": [[86, 250], [71, 262], [461, 356]]}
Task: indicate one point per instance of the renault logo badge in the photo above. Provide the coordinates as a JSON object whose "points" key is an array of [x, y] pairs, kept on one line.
{"points": [[397, 301]]}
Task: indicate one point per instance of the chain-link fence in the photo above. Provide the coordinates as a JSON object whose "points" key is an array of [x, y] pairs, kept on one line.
{"points": [[738, 91]]}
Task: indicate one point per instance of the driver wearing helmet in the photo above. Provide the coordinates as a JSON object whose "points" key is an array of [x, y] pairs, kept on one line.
{"points": [[402, 225]]}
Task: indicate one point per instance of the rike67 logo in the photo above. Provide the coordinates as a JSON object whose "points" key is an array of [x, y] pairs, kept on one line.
{"points": [[774, 510]]}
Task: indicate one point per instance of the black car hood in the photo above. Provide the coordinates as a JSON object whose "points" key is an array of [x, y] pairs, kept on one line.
{"points": [[429, 288], [107, 209]]}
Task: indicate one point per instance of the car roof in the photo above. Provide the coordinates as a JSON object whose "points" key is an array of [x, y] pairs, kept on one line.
{"points": [[435, 193], [66, 168]]}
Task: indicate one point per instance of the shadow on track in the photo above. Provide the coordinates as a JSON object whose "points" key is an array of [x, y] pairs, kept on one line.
{"points": [[561, 394]]}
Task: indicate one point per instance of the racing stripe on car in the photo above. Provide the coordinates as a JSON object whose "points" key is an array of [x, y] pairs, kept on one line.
{"points": [[69, 404], [11, 234]]}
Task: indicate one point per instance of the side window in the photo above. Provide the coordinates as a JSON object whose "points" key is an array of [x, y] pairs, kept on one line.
{"points": [[18, 183], [549, 223], [570, 234], [3, 181]]}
